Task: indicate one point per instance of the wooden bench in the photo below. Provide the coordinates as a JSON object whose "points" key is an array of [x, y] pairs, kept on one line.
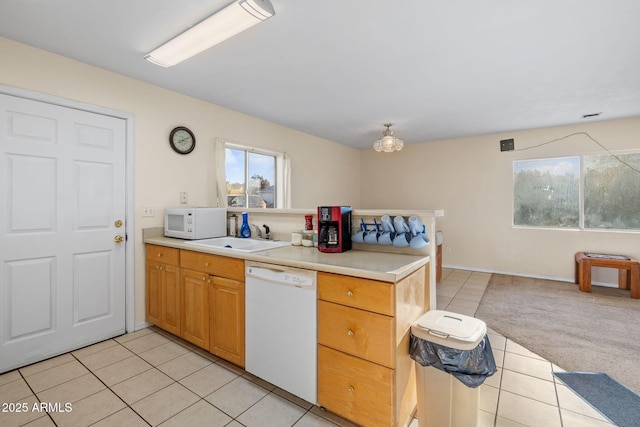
{"points": [[628, 274]]}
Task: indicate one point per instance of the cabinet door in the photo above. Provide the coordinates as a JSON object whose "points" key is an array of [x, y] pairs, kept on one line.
{"points": [[367, 294], [171, 299], [226, 303], [195, 308], [356, 389], [216, 265], [153, 295], [358, 332]]}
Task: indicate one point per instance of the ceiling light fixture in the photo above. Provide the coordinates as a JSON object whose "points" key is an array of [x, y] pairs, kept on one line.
{"points": [[228, 22], [388, 143]]}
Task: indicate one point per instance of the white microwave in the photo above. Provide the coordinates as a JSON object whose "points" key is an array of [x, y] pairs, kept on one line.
{"points": [[195, 223]]}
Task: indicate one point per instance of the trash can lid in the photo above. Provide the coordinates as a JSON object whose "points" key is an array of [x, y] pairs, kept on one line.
{"points": [[450, 329]]}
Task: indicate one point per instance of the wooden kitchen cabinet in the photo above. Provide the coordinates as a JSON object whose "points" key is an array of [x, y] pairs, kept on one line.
{"points": [[213, 300], [354, 388], [198, 297], [365, 373], [216, 265], [227, 320], [357, 332], [195, 307], [163, 288]]}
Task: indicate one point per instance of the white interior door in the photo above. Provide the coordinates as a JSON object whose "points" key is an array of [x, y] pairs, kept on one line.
{"points": [[62, 195]]}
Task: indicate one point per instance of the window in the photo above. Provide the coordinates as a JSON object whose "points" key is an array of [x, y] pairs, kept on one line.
{"points": [[612, 191], [253, 177], [547, 192]]}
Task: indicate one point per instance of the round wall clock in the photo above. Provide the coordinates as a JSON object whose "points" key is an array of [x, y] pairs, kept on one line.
{"points": [[182, 140]]}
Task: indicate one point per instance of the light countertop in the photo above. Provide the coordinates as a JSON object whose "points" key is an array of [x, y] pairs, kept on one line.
{"points": [[387, 267]]}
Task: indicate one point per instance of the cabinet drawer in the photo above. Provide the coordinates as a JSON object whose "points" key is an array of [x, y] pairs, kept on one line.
{"points": [[357, 332], [221, 266], [353, 388], [163, 254], [366, 294]]}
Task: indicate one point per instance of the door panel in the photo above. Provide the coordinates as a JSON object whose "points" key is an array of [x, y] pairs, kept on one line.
{"points": [[62, 187], [171, 299], [194, 310], [22, 189], [31, 290], [91, 286], [93, 208]]}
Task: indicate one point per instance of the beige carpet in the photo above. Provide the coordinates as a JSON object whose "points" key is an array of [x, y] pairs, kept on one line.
{"points": [[577, 331]]}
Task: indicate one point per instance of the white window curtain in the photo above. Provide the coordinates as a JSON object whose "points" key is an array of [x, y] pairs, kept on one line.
{"points": [[286, 181], [218, 161]]}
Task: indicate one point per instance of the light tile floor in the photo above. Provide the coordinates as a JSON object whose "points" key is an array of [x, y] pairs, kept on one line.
{"points": [[524, 391], [152, 378]]}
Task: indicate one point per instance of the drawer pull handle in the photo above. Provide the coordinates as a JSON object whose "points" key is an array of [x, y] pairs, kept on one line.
{"points": [[351, 389], [350, 332], [206, 264], [204, 278], [349, 293], [159, 254]]}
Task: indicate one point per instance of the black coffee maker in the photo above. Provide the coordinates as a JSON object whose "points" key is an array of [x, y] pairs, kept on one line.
{"points": [[334, 228]]}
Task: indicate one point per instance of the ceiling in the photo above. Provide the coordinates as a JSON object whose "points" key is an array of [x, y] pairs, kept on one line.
{"points": [[340, 69]]}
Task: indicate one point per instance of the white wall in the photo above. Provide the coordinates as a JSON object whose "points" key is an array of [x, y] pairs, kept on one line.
{"points": [[160, 173], [468, 177], [472, 181]]}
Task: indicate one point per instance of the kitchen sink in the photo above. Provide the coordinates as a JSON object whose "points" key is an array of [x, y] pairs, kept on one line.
{"points": [[240, 245]]}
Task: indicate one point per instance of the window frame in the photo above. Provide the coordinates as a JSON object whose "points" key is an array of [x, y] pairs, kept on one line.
{"points": [[581, 194], [279, 184]]}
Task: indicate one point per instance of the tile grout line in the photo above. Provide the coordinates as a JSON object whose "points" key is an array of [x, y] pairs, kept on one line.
{"points": [[199, 397], [109, 388], [35, 395]]}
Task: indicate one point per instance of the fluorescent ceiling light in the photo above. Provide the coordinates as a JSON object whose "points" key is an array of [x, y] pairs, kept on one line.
{"points": [[228, 22]]}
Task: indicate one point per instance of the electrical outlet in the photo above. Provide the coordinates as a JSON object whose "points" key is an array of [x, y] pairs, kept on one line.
{"points": [[184, 197], [448, 249], [147, 211]]}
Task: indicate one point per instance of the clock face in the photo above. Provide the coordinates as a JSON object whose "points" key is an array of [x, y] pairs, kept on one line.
{"points": [[182, 140]]}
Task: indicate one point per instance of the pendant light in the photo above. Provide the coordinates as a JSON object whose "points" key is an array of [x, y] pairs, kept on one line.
{"points": [[388, 143]]}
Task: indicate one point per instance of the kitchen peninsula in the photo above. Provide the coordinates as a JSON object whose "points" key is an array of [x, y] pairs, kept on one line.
{"points": [[366, 303]]}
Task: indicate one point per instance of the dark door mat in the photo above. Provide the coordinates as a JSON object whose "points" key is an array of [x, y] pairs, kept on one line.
{"points": [[613, 400]]}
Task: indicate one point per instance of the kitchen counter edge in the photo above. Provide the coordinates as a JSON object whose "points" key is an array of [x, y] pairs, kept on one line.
{"points": [[310, 259]]}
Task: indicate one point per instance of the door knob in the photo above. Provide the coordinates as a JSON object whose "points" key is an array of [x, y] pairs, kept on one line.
{"points": [[118, 223], [118, 239]]}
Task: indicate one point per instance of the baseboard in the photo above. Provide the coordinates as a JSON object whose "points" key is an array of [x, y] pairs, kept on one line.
{"points": [[141, 326], [532, 276]]}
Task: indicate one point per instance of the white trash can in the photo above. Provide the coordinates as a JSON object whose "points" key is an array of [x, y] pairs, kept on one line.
{"points": [[450, 348]]}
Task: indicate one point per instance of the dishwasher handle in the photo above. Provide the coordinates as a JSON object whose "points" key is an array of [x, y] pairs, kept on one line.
{"points": [[284, 276]]}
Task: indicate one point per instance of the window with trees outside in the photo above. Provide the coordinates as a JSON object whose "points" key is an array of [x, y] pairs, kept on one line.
{"points": [[590, 192], [251, 177]]}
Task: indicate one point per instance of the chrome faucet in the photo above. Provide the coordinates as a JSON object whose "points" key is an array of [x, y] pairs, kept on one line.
{"points": [[258, 231], [267, 231]]}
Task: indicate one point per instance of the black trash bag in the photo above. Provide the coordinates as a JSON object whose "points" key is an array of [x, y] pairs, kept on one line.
{"points": [[471, 367]]}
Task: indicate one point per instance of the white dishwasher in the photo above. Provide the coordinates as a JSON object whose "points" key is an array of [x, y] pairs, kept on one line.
{"points": [[281, 336]]}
